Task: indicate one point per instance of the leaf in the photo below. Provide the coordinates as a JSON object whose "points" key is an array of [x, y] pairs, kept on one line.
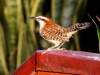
{"points": [[3, 64], [98, 30], [56, 10]]}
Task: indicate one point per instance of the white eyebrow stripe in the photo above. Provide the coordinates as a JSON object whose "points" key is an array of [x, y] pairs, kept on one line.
{"points": [[42, 17]]}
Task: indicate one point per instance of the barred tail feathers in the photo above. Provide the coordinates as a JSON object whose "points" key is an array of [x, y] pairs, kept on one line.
{"points": [[79, 26], [76, 27]]}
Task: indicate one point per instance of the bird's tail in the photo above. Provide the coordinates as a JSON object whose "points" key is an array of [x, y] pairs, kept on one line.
{"points": [[78, 26]]}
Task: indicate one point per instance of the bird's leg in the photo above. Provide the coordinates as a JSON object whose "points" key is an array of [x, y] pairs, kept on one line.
{"points": [[52, 48], [56, 47]]}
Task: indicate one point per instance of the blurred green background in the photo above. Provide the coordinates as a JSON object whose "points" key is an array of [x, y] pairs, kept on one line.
{"points": [[19, 36]]}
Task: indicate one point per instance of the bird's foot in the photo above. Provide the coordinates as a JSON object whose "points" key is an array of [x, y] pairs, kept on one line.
{"points": [[52, 49], [49, 49], [60, 49]]}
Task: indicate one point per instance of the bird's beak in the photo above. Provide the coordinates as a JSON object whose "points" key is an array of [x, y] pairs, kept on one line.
{"points": [[32, 17]]}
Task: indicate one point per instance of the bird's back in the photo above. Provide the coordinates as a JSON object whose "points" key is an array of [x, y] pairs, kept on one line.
{"points": [[54, 32], [58, 33]]}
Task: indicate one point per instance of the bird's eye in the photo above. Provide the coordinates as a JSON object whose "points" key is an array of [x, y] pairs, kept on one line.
{"points": [[42, 19]]}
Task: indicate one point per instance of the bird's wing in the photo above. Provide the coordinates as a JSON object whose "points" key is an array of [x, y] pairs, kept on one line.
{"points": [[59, 33]]}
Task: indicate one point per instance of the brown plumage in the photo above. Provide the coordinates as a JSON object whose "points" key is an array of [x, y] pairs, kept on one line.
{"points": [[56, 34]]}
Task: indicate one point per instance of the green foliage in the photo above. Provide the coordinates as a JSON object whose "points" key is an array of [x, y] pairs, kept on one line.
{"points": [[98, 30], [19, 35]]}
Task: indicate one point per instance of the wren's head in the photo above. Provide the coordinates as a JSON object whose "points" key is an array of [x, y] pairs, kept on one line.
{"points": [[42, 20]]}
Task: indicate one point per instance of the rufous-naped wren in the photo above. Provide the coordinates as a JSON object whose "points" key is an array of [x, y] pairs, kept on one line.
{"points": [[57, 34]]}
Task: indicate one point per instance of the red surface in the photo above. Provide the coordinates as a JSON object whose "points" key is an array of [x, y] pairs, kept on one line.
{"points": [[27, 68], [60, 63], [73, 62]]}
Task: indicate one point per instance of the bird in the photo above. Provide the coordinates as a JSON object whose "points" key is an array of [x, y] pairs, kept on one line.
{"points": [[55, 33]]}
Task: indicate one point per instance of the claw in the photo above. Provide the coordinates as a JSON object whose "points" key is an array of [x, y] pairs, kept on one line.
{"points": [[52, 49], [49, 49], [60, 49]]}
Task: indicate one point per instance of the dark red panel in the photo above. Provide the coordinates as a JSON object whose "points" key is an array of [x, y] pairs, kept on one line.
{"points": [[73, 62], [27, 68]]}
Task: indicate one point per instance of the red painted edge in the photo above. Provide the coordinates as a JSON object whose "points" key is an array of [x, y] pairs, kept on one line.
{"points": [[27, 68], [74, 62]]}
